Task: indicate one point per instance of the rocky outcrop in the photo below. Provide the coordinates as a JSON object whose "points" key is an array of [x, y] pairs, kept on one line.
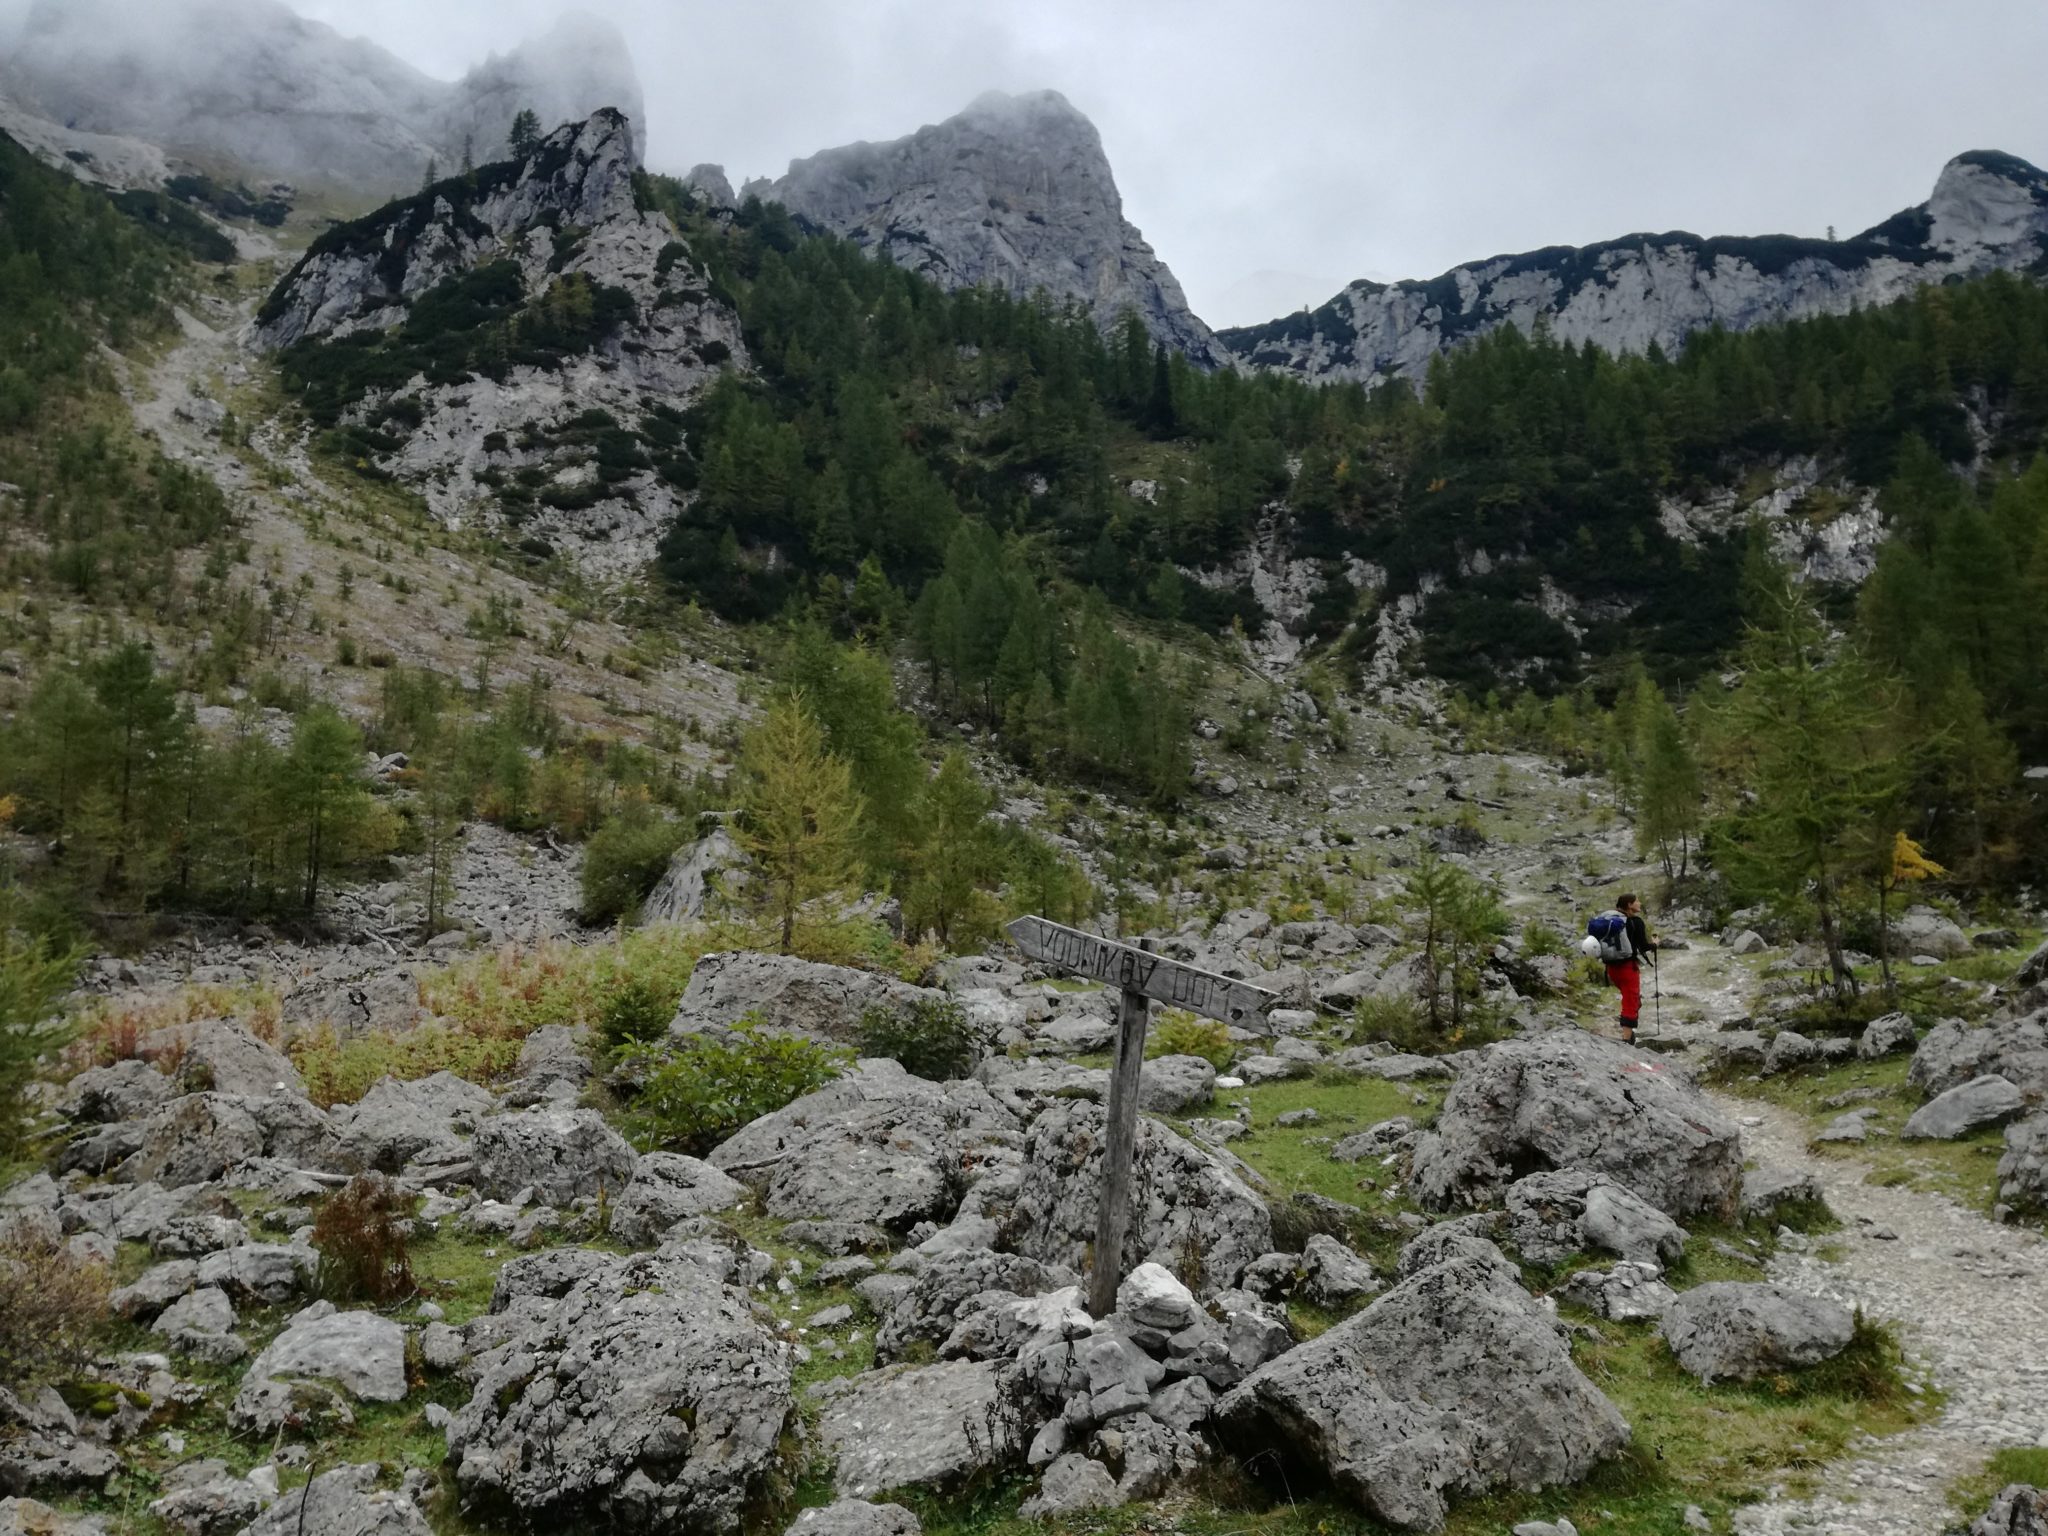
{"points": [[1452, 1383], [806, 997], [249, 85], [1014, 193], [579, 325], [660, 1401], [1568, 1099], [1989, 212], [1734, 1330]]}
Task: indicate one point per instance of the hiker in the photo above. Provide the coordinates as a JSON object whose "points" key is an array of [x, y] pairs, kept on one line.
{"points": [[1622, 941]]}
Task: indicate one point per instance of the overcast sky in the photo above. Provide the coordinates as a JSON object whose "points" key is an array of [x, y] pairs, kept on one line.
{"points": [[1272, 150]]}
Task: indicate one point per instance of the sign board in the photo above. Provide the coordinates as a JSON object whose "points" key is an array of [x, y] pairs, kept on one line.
{"points": [[1136, 970]]}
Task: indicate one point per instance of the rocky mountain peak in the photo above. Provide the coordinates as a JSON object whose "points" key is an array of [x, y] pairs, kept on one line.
{"points": [[1985, 201], [1015, 191], [251, 85]]}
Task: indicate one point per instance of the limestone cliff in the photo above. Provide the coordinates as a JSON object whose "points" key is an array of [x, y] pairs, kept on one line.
{"points": [[250, 87], [531, 335], [1989, 211], [1016, 192]]}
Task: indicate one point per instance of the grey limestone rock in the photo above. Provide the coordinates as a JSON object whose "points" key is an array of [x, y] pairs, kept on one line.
{"points": [[561, 1154], [1173, 1085], [125, 1090], [920, 1426], [222, 1056], [1185, 1200], [1924, 931], [704, 875], [1952, 1053], [1332, 1275], [806, 997], [1976, 1105], [661, 1398], [1072, 1485], [31, 1517], [1631, 1291], [206, 1310], [1738, 1330], [931, 1303], [261, 1272], [879, 1146], [1767, 1190], [193, 1140], [429, 1119], [1789, 1049], [1551, 1216], [363, 1353], [1886, 1036], [1568, 1099], [2017, 1509], [665, 1188], [343, 1502], [1454, 1382], [854, 1517], [204, 1498], [1016, 193], [2023, 1169]]}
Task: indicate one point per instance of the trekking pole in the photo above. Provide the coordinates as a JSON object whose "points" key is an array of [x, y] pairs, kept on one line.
{"points": [[1657, 991]]}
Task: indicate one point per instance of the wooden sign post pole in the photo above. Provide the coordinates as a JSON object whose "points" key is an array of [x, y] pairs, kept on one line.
{"points": [[1140, 976]]}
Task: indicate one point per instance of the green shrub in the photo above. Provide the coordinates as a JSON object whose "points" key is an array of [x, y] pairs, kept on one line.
{"points": [[32, 978], [695, 1094], [53, 1309], [638, 1011], [932, 1039], [1540, 938], [1180, 1033], [623, 861]]}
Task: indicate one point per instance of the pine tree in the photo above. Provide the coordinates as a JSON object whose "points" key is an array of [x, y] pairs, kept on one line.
{"points": [[1670, 793], [799, 815], [324, 795], [958, 859], [524, 138]]}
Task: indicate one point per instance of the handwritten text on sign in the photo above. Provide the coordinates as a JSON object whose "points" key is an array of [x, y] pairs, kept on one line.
{"points": [[1119, 965]]}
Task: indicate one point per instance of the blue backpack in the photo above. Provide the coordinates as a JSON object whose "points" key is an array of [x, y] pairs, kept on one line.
{"points": [[1609, 931]]}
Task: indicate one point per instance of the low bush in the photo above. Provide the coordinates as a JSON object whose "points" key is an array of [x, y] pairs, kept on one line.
{"points": [[32, 977], [53, 1306], [1180, 1033], [693, 1095], [360, 1236], [932, 1039], [624, 860], [638, 1011], [339, 1069]]}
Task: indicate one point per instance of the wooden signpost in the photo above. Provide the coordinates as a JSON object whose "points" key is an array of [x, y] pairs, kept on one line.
{"points": [[1140, 976]]}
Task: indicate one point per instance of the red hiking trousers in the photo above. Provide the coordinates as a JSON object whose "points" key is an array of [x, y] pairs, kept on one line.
{"points": [[1628, 976]]}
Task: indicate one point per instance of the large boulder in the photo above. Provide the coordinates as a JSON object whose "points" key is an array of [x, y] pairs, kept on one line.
{"points": [[1738, 1330], [426, 1120], [1887, 1036], [126, 1090], [194, 1140], [2023, 1169], [1454, 1382], [559, 1153], [700, 879], [343, 1502], [878, 1146], [1954, 1052], [1173, 1085], [646, 1396], [855, 1517], [1924, 931], [1192, 1208], [924, 1426], [823, 1002], [665, 1188], [222, 1056], [362, 1353], [1979, 1104], [1568, 1099], [1551, 1216], [928, 1307]]}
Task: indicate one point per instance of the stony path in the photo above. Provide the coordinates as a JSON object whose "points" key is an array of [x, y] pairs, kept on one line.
{"points": [[1969, 1297]]}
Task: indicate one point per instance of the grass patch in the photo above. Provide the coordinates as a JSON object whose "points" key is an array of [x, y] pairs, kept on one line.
{"points": [[1965, 1170]]}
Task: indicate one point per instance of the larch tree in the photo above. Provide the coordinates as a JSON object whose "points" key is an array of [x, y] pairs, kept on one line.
{"points": [[800, 815]]}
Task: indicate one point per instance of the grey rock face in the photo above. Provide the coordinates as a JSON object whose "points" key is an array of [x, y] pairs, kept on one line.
{"points": [[428, 1119], [1629, 1292], [2023, 1169], [1452, 1383], [361, 1352], [343, 1502], [2017, 1510], [1014, 193], [1186, 1200], [1172, 1085], [1886, 1036], [805, 997], [1551, 1216], [1735, 1330], [1980, 1103], [276, 96], [1567, 1099], [1766, 1190], [560, 1153], [665, 1188], [1924, 931], [927, 1426], [205, 1499], [1332, 1275], [1988, 212], [661, 1398], [1072, 1485], [193, 1140], [854, 1517], [943, 1285], [704, 876], [126, 1090], [1953, 1053], [878, 1146], [224, 1057]]}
